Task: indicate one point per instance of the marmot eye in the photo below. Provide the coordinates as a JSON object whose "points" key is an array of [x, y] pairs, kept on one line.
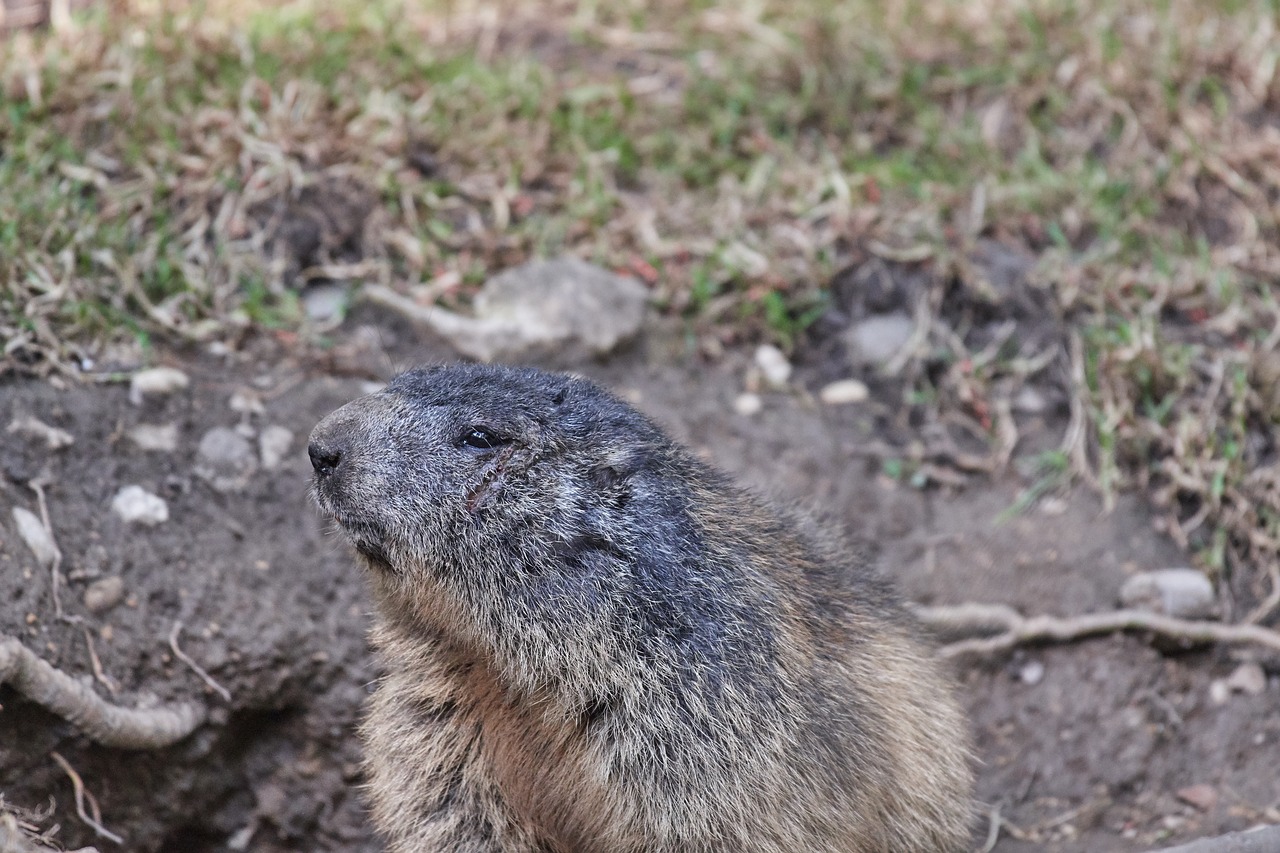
{"points": [[478, 438]]}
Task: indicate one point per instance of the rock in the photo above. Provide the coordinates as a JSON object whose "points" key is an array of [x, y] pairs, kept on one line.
{"points": [[844, 392], [1203, 797], [53, 438], [563, 308], [1248, 678], [160, 438], [1219, 692], [879, 338], [325, 303], [226, 459], [1029, 401], [1184, 593], [775, 370], [33, 532], [102, 595], [138, 506], [748, 404], [1031, 673], [273, 445], [247, 402], [157, 380]]}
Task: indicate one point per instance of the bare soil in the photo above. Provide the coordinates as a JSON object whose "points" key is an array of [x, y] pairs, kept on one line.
{"points": [[1088, 756]]}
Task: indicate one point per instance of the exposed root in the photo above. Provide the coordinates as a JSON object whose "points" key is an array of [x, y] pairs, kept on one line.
{"points": [[94, 821], [1008, 628], [195, 667], [75, 701]]}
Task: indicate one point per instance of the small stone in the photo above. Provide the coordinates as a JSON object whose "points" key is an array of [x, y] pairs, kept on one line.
{"points": [[843, 392], [158, 438], [325, 303], [157, 380], [1029, 401], [748, 404], [54, 438], [1248, 678], [102, 595], [774, 367], [1032, 673], [564, 309], [136, 505], [273, 445], [226, 459], [32, 531], [1219, 692], [1203, 797], [1052, 506], [247, 402], [1184, 593], [880, 337]]}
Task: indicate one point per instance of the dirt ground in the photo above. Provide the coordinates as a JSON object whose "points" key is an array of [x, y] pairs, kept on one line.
{"points": [[1084, 747]]}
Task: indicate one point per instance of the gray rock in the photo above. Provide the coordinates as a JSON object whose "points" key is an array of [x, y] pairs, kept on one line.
{"points": [[273, 445], [33, 532], [563, 308], [748, 404], [1031, 673], [1248, 678], [54, 438], [325, 303], [138, 506], [226, 459], [102, 595], [879, 337], [1185, 593], [157, 380], [774, 368], [158, 438], [843, 392]]}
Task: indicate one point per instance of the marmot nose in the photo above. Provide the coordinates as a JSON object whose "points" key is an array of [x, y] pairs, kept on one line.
{"points": [[324, 458]]}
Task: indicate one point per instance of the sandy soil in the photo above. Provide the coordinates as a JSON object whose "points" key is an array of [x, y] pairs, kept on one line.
{"points": [[1085, 746]]}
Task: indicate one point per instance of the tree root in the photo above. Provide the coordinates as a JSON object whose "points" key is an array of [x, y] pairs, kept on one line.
{"points": [[990, 629], [103, 722]]}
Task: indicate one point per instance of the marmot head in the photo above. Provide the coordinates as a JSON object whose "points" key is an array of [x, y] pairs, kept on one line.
{"points": [[495, 483]]}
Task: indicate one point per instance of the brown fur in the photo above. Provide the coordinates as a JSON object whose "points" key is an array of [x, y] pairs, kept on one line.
{"points": [[595, 643]]}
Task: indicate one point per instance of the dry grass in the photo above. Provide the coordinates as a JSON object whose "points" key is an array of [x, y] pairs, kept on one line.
{"points": [[177, 173]]}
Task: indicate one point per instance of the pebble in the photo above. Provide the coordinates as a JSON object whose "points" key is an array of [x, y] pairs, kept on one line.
{"points": [[1185, 593], [102, 595], [273, 445], [159, 438], [325, 303], [843, 392], [157, 380], [1029, 401], [32, 531], [748, 404], [1219, 692], [1248, 678], [774, 367], [54, 438], [226, 459], [1032, 673], [1203, 797], [136, 505], [880, 337], [247, 402]]}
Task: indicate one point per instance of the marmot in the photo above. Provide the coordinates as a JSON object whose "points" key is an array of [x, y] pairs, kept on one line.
{"points": [[595, 643]]}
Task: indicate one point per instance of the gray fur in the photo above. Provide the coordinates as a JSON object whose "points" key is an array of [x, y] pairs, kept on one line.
{"points": [[594, 642]]}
